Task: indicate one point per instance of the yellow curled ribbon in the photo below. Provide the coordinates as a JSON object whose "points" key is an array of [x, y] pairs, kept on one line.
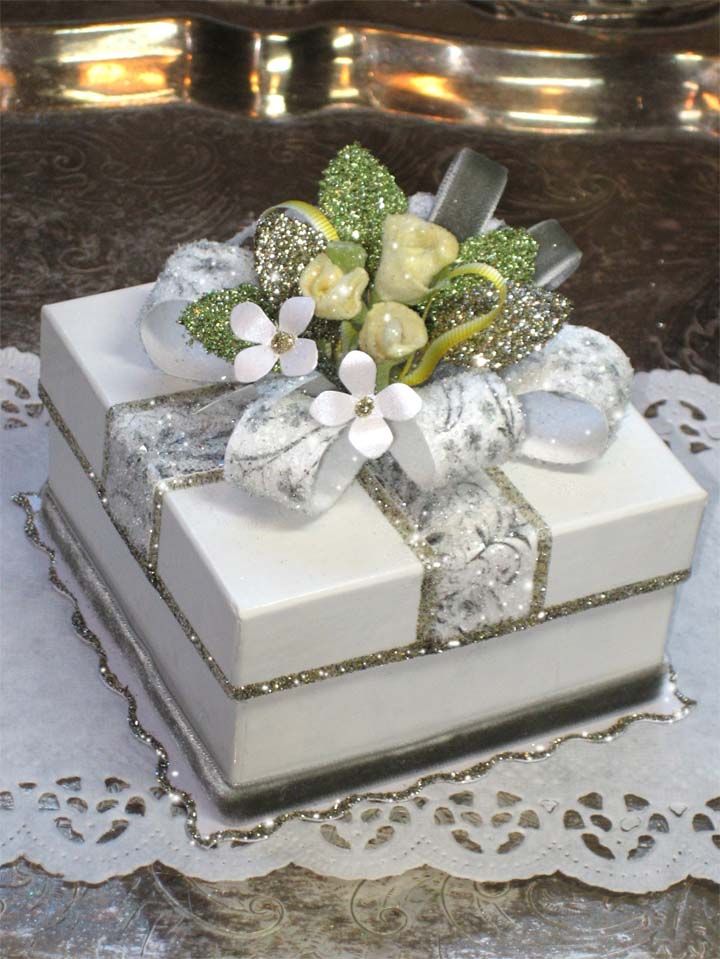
{"points": [[309, 214], [458, 334]]}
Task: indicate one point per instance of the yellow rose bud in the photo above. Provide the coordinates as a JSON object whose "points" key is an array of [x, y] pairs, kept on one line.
{"points": [[337, 295], [392, 331], [413, 252]]}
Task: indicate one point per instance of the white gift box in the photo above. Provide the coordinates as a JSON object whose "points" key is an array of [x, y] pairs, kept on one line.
{"points": [[249, 612]]}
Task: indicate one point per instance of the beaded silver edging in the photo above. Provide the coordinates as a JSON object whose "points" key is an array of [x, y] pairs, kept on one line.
{"points": [[423, 646], [270, 825]]}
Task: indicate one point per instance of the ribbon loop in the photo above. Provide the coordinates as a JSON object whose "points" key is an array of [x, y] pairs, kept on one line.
{"points": [[189, 273], [279, 451], [561, 430], [579, 363], [468, 422], [167, 344], [558, 256], [469, 192]]}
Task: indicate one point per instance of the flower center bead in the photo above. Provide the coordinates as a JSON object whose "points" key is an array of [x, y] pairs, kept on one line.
{"points": [[365, 406], [282, 342]]}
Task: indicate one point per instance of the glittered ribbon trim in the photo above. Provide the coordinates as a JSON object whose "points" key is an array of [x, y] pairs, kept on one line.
{"points": [[537, 615]]}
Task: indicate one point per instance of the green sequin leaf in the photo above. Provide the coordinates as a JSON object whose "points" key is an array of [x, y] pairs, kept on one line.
{"points": [[356, 193], [511, 250], [207, 320]]}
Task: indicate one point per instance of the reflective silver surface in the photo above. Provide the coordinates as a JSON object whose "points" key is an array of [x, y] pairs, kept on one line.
{"points": [[573, 88], [293, 914]]}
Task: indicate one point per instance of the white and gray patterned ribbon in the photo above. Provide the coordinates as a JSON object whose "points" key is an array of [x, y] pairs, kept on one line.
{"points": [[278, 450], [468, 422], [549, 408]]}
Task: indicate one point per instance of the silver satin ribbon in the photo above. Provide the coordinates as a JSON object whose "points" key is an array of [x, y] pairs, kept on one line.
{"points": [[558, 256], [466, 201], [468, 194]]}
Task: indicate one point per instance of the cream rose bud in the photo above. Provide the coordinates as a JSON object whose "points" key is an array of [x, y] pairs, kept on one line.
{"points": [[413, 252], [337, 295], [392, 331]]}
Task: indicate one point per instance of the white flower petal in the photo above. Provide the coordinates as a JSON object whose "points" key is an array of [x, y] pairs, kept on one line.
{"points": [[357, 372], [398, 402], [371, 436], [301, 359], [249, 323], [253, 363], [295, 314], [332, 408]]}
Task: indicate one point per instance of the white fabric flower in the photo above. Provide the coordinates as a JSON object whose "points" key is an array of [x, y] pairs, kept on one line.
{"points": [[297, 356], [369, 433]]}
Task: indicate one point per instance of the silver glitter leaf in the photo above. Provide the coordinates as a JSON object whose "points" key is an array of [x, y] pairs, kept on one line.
{"points": [[283, 248], [531, 316]]}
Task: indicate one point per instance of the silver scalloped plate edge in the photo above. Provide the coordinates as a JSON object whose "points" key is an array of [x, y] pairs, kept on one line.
{"points": [[522, 875], [268, 826]]}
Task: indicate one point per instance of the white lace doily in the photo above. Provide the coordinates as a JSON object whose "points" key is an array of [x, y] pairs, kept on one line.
{"points": [[78, 793]]}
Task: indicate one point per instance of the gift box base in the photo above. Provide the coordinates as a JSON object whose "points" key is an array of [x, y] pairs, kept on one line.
{"points": [[283, 792], [284, 748]]}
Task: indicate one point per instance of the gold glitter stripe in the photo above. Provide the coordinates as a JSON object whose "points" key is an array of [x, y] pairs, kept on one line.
{"points": [[261, 830], [187, 480], [384, 657]]}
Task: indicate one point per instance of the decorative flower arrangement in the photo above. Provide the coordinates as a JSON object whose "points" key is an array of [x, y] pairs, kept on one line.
{"points": [[362, 272], [439, 326]]}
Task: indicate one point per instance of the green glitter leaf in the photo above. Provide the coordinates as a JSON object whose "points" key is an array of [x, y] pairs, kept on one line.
{"points": [[356, 193], [207, 320], [511, 250]]}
